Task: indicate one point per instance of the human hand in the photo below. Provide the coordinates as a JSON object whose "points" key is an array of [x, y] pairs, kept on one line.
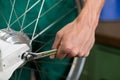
{"points": [[77, 37]]}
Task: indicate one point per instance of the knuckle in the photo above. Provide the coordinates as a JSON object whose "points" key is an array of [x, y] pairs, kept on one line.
{"points": [[59, 34], [60, 56], [86, 55], [74, 52], [71, 51], [90, 46], [67, 49], [81, 55]]}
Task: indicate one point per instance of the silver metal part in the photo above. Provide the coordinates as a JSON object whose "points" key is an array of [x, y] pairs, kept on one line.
{"points": [[14, 37], [76, 68], [12, 45]]}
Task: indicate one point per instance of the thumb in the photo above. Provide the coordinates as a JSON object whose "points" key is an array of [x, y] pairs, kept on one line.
{"points": [[58, 39]]}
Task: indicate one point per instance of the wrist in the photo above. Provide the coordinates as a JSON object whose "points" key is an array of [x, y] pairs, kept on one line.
{"points": [[91, 12], [88, 17]]}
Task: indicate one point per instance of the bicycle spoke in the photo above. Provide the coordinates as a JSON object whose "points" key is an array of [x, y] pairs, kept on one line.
{"points": [[48, 27], [25, 12], [39, 14], [55, 63], [48, 75], [24, 15], [43, 45], [11, 14], [36, 65], [39, 41], [4, 18], [15, 13], [19, 76], [33, 75], [43, 14], [44, 72], [15, 76]]}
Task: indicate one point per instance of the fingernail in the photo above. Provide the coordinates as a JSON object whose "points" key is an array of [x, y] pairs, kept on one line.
{"points": [[52, 56]]}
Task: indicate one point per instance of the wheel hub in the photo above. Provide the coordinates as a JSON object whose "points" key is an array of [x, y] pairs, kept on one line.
{"points": [[14, 37], [13, 45]]}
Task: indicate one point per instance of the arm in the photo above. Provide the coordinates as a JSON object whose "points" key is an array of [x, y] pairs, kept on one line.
{"points": [[77, 37], [91, 11]]}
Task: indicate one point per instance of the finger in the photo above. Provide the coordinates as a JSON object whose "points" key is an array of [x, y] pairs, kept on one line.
{"points": [[52, 56], [61, 53], [57, 40], [74, 53], [82, 46], [87, 52], [89, 48], [86, 47]]}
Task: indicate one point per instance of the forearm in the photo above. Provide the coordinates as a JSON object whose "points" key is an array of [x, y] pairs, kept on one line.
{"points": [[94, 6], [77, 37], [91, 12]]}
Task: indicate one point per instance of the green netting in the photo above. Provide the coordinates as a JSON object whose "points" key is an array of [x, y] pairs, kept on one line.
{"points": [[48, 69]]}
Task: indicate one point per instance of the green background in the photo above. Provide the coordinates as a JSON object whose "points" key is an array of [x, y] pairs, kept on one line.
{"points": [[102, 64]]}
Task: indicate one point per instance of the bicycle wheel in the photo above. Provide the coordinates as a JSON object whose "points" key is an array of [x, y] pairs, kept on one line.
{"points": [[40, 20]]}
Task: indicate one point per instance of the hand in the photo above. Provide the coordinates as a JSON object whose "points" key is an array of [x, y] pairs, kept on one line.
{"points": [[77, 37]]}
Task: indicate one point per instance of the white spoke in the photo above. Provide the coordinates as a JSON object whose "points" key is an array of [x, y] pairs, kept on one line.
{"points": [[26, 12], [48, 27], [15, 13], [28, 25], [4, 18], [42, 14], [24, 15], [43, 45], [20, 73], [39, 41], [11, 14], [39, 14]]}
